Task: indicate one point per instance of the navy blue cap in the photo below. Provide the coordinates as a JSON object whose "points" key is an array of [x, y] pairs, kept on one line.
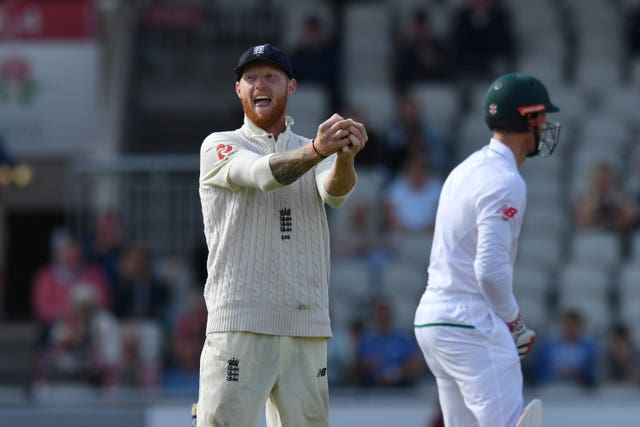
{"points": [[264, 52]]}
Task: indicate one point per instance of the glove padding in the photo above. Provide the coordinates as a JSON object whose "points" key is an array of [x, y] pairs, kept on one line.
{"points": [[522, 336]]}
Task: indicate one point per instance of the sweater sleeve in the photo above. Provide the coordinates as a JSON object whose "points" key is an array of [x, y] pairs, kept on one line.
{"points": [[227, 163], [322, 171]]}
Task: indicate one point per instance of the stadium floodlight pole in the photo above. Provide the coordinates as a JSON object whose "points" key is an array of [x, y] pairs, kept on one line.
{"points": [[531, 415]]}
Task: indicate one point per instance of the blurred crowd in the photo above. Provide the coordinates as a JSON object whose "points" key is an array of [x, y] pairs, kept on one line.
{"points": [[114, 315]]}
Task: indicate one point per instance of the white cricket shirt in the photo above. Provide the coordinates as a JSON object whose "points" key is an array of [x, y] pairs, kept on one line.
{"points": [[476, 232]]}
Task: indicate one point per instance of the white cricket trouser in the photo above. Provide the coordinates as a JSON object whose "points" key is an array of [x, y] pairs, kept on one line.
{"points": [[241, 371], [472, 355]]}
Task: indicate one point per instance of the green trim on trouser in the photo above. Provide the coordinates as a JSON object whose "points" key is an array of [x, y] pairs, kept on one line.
{"points": [[450, 325]]}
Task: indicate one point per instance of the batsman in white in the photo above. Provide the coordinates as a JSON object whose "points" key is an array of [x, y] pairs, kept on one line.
{"points": [[468, 322], [263, 190]]}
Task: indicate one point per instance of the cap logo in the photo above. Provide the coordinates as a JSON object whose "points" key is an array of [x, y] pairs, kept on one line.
{"points": [[259, 50], [493, 109], [497, 86]]}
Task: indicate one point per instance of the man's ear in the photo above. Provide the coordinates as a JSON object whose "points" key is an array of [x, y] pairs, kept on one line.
{"points": [[291, 88]]}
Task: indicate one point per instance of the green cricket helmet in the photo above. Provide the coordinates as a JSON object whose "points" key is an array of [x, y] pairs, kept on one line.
{"points": [[513, 102]]}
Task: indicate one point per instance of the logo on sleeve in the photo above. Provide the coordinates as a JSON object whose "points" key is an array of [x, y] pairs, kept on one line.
{"points": [[224, 151], [507, 212]]}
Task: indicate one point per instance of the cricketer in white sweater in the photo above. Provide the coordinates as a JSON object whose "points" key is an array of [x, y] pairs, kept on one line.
{"points": [[268, 264]]}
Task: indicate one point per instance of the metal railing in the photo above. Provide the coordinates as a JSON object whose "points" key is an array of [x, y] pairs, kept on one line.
{"points": [[155, 195]]}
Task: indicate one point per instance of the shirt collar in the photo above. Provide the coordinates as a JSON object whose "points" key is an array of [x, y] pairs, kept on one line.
{"points": [[253, 131], [503, 151]]}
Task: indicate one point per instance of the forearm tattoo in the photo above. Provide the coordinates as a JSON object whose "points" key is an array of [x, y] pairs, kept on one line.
{"points": [[288, 166]]}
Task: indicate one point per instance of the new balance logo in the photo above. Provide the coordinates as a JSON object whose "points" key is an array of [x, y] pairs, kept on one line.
{"points": [[322, 372], [233, 369], [259, 50], [507, 212]]}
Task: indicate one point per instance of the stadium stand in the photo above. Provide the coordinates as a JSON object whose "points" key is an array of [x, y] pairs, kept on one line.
{"points": [[178, 86]]}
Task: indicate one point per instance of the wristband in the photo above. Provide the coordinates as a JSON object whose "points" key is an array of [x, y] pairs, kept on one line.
{"points": [[316, 150]]}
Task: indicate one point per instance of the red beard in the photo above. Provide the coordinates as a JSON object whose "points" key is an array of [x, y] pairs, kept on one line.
{"points": [[265, 120]]}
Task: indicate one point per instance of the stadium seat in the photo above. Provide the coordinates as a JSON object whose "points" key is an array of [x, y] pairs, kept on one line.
{"points": [[596, 249], [628, 285], [404, 311], [622, 103], [350, 280], [294, 14], [376, 101], [540, 251], [531, 281], [585, 160], [399, 277], [472, 134], [367, 45], [573, 107], [546, 168], [309, 106], [535, 312], [414, 248], [600, 127], [440, 103], [531, 288], [544, 190], [595, 76], [628, 292], [634, 255], [587, 288]]}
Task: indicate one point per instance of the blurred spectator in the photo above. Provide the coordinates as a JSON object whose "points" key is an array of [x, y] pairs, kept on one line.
{"points": [[482, 38], [411, 199], [622, 360], [388, 357], [341, 353], [568, 356], [176, 273], [5, 157], [137, 368], [83, 344], [410, 134], [7, 163], [632, 188], [603, 204], [141, 305], [420, 54], [375, 154], [316, 58], [67, 270], [633, 31], [356, 237], [198, 262], [181, 375], [104, 245], [139, 295]]}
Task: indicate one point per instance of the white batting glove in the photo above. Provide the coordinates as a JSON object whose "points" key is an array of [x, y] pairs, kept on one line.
{"points": [[522, 336]]}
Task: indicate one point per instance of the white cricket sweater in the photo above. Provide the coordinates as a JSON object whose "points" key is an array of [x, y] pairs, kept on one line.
{"points": [[268, 262]]}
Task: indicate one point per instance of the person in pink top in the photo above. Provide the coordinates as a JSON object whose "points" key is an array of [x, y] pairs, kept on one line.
{"points": [[67, 269]]}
